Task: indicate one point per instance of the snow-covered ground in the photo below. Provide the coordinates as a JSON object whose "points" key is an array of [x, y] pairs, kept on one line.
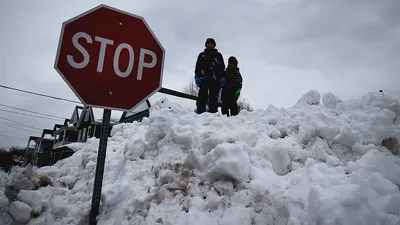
{"points": [[309, 164]]}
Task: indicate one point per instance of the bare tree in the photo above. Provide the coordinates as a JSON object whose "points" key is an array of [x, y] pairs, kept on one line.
{"points": [[191, 89], [7, 157], [243, 105]]}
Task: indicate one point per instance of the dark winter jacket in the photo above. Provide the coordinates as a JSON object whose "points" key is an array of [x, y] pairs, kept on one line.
{"points": [[210, 64], [233, 79]]}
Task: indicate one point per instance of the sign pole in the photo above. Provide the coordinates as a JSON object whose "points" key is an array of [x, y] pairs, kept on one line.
{"points": [[101, 157]]}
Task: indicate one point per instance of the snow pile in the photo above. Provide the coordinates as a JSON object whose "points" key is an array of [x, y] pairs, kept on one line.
{"points": [[309, 164]]}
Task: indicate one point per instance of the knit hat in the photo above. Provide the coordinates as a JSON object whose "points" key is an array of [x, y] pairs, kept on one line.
{"points": [[210, 40], [233, 60]]}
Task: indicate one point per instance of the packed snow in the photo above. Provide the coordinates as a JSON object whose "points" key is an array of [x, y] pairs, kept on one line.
{"points": [[323, 161]]}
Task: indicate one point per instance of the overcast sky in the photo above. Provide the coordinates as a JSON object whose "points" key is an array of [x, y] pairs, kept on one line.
{"points": [[284, 49]]}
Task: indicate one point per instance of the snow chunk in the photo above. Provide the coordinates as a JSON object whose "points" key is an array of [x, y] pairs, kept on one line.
{"points": [[329, 132], [210, 143], [397, 121], [332, 160], [281, 161], [20, 212], [376, 161], [59, 204], [378, 126], [330, 100], [134, 149], [165, 177], [197, 203], [158, 129], [372, 125], [224, 187], [33, 199], [347, 137], [226, 161], [50, 171], [318, 124], [307, 131], [320, 149], [381, 101], [350, 105], [24, 179], [312, 97], [369, 101], [68, 180], [181, 135], [193, 161], [340, 204], [236, 216], [359, 148], [196, 217], [374, 181], [393, 206]]}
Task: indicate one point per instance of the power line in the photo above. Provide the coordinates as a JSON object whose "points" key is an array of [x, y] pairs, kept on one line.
{"points": [[12, 124], [18, 128], [43, 95], [25, 110], [20, 123], [12, 139], [29, 115], [3, 135]]}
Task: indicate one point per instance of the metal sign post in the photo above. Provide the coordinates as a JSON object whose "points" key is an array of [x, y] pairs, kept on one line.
{"points": [[101, 158]]}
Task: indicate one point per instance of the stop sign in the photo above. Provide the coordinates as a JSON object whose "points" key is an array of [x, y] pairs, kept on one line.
{"points": [[110, 59]]}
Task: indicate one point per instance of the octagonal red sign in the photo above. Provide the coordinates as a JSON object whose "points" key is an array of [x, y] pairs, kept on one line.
{"points": [[110, 59]]}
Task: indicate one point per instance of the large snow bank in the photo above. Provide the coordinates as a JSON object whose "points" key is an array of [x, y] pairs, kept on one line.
{"points": [[308, 164]]}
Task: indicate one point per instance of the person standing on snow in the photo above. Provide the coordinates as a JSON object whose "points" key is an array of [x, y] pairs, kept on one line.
{"points": [[209, 77], [232, 88]]}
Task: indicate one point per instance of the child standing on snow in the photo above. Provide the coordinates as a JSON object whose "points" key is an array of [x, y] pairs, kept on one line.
{"points": [[232, 87], [208, 76]]}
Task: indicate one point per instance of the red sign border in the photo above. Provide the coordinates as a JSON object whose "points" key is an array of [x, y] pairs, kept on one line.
{"points": [[120, 11]]}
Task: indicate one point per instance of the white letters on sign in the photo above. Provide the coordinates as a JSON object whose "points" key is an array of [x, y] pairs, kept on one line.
{"points": [[102, 54], [85, 54], [116, 58], [103, 51], [144, 64]]}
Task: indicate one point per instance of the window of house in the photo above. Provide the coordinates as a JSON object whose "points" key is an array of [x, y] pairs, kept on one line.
{"points": [[79, 135], [84, 135], [89, 132]]}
